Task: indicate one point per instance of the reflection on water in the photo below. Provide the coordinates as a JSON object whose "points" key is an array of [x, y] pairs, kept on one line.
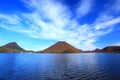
{"points": [[59, 66]]}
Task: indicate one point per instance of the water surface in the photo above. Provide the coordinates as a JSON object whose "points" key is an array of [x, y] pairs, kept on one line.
{"points": [[44, 66]]}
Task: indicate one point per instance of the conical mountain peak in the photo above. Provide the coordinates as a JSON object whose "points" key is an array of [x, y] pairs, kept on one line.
{"points": [[11, 44], [61, 47], [11, 47]]}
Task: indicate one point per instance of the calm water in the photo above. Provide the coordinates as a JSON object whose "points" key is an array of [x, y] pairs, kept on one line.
{"points": [[60, 66]]}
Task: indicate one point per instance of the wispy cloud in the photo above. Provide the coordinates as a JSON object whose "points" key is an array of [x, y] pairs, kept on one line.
{"points": [[9, 18], [84, 7], [108, 23], [116, 7], [52, 20]]}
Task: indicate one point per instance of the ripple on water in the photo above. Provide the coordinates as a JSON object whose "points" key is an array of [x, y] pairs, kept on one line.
{"points": [[59, 67]]}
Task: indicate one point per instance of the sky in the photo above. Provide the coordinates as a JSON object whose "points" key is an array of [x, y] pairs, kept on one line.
{"points": [[37, 24]]}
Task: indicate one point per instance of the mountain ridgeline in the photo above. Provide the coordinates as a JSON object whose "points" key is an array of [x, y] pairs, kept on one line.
{"points": [[111, 49], [11, 47], [61, 47]]}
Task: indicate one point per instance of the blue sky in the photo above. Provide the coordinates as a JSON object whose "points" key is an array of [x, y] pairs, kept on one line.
{"points": [[37, 24]]}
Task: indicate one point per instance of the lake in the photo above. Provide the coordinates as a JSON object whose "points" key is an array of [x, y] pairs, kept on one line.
{"points": [[43, 66]]}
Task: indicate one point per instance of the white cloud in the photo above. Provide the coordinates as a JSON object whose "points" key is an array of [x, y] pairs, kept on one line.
{"points": [[116, 7], [107, 23], [103, 17], [52, 20], [10, 18], [84, 7]]}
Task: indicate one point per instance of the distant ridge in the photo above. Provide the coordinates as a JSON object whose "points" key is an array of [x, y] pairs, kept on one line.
{"points": [[61, 47], [11, 47], [107, 49], [111, 49]]}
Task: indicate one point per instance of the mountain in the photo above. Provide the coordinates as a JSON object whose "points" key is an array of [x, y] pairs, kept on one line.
{"points": [[111, 49], [61, 47], [11, 47]]}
